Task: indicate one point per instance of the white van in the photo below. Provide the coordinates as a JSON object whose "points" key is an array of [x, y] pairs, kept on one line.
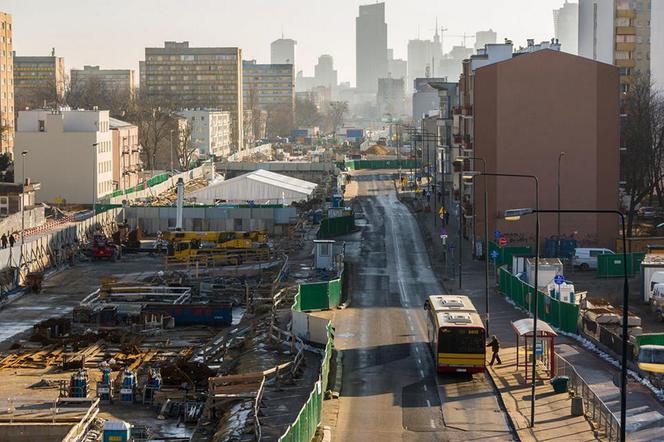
{"points": [[657, 300], [586, 258]]}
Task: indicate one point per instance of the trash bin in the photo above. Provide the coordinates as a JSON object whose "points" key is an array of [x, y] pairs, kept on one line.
{"points": [[577, 406], [559, 384]]}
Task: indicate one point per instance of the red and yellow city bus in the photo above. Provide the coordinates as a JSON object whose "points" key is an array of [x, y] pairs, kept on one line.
{"points": [[456, 334]]}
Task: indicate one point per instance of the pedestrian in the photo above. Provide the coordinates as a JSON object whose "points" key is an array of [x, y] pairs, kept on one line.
{"points": [[3, 239], [495, 348], [447, 217], [12, 240]]}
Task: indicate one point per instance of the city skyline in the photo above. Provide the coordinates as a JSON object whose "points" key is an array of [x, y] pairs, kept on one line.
{"points": [[131, 27]]}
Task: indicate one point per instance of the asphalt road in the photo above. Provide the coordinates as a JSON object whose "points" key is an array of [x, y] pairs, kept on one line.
{"points": [[391, 391]]}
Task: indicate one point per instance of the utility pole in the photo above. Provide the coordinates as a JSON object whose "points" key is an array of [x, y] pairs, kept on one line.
{"points": [[24, 154]]}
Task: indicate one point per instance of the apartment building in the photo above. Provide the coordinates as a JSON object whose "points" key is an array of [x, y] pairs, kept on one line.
{"points": [[38, 81], [127, 164], [391, 97], [6, 85], [269, 87], [61, 142], [119, 81], [523, 110], [190, 78], [619, 32], [210, 131]]}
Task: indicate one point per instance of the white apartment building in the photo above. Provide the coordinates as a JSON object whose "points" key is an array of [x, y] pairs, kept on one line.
{"points": [[210, 131], [70, 153]]}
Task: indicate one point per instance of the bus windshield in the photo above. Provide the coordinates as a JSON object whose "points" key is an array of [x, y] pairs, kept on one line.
{"points": [[461, 340]]}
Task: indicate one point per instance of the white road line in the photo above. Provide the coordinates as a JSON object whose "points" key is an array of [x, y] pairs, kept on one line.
{"points": [[433, 425], [419, 361], [426, 388], [428, 403], [421, 373]]}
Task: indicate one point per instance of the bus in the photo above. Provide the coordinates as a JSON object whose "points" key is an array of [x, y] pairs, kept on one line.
{"points": [[456, 334]]}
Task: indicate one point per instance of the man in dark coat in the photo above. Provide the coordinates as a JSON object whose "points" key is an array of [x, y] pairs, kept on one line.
{"points": [[495, 348]]}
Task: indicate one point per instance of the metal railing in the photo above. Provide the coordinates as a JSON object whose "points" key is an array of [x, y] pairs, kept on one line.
{"points": [[594, 408]]}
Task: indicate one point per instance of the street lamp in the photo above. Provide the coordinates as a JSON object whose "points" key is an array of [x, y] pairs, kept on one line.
{"points": [[514, 217], [24, 154], [560, 157], [516, 214], [470, 178], [460, 162], [94, 178], [171, 138]]}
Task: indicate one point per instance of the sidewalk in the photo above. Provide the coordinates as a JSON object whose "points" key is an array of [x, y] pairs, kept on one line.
{"points": [[645, 414], [553, 420]]}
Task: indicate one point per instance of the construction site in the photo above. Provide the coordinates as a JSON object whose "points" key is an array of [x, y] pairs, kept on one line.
{"points": [[169, 325]]}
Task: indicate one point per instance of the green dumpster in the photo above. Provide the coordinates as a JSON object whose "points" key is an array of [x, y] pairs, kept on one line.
{"points": [[559, 384]]}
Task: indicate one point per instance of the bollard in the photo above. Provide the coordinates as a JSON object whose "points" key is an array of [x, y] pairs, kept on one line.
{"points": [[577, 406]]}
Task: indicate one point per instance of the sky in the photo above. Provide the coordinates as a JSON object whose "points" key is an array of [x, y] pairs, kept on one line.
{"points": [[114, 34]]}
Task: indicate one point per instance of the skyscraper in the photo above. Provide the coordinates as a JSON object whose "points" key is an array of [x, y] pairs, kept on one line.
{"points": [[325, 73], [370, 46], [483, 38], [424, 57], [566, 27], [282, 51]]}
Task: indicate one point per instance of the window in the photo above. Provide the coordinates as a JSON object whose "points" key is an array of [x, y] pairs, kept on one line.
{"points": [[42, 126]]}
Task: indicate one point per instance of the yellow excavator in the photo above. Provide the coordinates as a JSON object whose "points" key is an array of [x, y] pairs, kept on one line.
{"points": [[221, 247]]}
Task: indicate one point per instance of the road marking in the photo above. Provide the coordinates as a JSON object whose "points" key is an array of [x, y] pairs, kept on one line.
{"points": [[428, 403], [433, 425], [426, 388], [421, 373], [419, 361]]}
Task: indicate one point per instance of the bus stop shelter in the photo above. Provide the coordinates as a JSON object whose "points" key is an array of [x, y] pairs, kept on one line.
{"points": [[544, 350]]}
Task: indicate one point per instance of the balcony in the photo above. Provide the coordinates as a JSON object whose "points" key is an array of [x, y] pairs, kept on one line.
{"points": [[625, 47], [457, 138], [467, 110], [625, 30], [626, 13], [456, 110], [629, 63]]}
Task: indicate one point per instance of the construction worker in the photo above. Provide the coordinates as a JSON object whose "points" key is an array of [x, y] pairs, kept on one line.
{"points": [[3, 239], [12, 240]]}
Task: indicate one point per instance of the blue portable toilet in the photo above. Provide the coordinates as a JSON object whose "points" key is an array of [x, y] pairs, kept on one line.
{"points": [[116, 431]]}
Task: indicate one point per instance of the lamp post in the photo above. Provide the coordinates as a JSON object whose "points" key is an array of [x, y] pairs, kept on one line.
{"points": [[560, 157], [515, 214], [535, 306], [485, 191], [24, 156], [486, 238], [171, 139], [94, 178]]}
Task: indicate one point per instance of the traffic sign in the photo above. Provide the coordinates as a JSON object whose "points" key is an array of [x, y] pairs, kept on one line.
{"points": [[539, 347], [502, 242], [559, 279], [495, 254], [497, 234]]}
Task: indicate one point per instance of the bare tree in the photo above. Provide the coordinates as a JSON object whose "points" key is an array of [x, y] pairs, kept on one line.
{"points": [[643, 137], [154, 123], [185, 148], [90, 92], [336, 110], [306, 113], [279, 120]]}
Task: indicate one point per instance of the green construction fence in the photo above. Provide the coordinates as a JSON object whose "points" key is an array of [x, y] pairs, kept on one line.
{"points": [[304, 427], [319, 295], [650, 339], [506, 253], [336, 226], [381, 164], [611, 266], [562, 315]]}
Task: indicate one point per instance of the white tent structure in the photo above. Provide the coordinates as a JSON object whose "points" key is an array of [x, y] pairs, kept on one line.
{"points": [[259, 186]]}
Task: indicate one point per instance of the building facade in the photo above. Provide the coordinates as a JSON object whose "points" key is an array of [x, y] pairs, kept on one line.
{"points": [[38, 81], [390, 98], [269, 87], [566, 27], [325, 73], [525, 110], [210, 131], [483, 38], [396, 67], [60, 142], [370, 46], [127, 164], [6, 85], [282, 51], [425, 98], [198, 78], [118, 81], [424, 57], [618, 32]]}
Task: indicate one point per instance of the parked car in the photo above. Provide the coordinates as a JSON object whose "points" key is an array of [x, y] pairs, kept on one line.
{"points": [[585, 258], [647, 212]]}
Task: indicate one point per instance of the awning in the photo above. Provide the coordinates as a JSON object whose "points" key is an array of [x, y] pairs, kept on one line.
{"points": [[524, 327]]}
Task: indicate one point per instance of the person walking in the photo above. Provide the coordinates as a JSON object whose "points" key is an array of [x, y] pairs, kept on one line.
{"points": [[3, 239], [495, 348], [12, 240]]}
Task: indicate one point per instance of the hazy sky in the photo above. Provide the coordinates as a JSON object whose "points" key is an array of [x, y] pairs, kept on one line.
{"points": [[114, 33]]}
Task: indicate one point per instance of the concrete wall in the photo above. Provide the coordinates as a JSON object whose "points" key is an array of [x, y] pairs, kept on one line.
{"points": [[596, 29], [152, 219], [12, 223], [527, 111]]}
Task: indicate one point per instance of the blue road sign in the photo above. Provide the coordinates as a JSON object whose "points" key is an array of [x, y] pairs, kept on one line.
{"points": [[559, 279], [497, 234], [494, 254]]}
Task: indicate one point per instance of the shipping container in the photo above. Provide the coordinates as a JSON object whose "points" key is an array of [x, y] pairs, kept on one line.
{"points": [[217, 315]]}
